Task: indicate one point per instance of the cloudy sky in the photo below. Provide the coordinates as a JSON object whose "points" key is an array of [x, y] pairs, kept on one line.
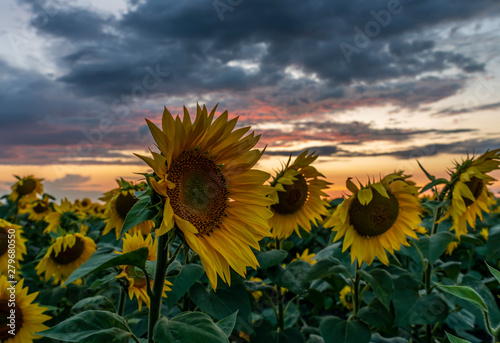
{"points": [[372, 86]]}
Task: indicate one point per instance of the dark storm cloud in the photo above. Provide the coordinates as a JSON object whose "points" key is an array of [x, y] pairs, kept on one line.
{"points": [[191, 42], [453, 111]]}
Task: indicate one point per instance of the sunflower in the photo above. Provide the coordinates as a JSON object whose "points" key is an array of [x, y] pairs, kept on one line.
{"points": [[97, 210], [305, 256], [21, 320], [484, 233], [66, 216], [377, 218], [26, 188], [211, 193], [12, 247], [119, 202], [65, 255], [347, 297], [470, 195], [37, 209], [136, 279], [297, 192], [83, 205]]}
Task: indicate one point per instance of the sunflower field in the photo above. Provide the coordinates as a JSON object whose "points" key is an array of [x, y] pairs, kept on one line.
{"points": [[207, 248]]}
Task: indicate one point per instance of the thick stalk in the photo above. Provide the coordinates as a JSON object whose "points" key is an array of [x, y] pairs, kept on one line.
{"points": [[159, 281], [121, 301], [281, 315], [357, 300]]}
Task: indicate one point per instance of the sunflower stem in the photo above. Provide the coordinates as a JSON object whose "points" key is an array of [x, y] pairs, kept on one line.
{"points": [[356, 292], [281, 317], [159, 281], [121, 301]]}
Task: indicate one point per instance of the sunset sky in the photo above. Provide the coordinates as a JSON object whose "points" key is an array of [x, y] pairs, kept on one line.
{"points": [[372, 86]]}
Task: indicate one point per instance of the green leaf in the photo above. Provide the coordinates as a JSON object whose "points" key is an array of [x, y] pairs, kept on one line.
{"points": [[438, 244], [324, 268], [227, 324], [336, 330], [97, 302], [432, 184], [466, 293], [271, 258], [381, 283], [188, 327], [293, 277], [495, 272], [101, 260], [142, 211], [91, 327], [454, 339], [493, 244], [103, 281], [376, 315], [182, 283], [429, 176], [404, 297]]}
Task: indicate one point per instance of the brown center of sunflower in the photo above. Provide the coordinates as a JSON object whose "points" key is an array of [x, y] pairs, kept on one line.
{"points": [[293, 198], [3, 241], [200, 195], [27, 187], [124, 203], [476, 187], [69, 254], [85, 203], [40, 207], [376, 217], [16, 319]]}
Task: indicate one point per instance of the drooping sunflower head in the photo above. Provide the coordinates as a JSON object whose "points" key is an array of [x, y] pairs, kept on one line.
{"points": [[377, 218], [18, 250], [26, 188], [211, 193], [297, 196], [119, 202], [64, 256], [469, 191], [28, 316], [66, 217], [347, 297], [38, 209], [137, 282]]}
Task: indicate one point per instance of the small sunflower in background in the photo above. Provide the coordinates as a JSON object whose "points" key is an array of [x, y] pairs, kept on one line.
{"points": [[211, 193], [26, 188], [65, 216], [119, 202], [29, 316], [137, 282], [346, 296], [305, 256], [377, 218], [38, 209], [97, 210], [470, 195], [11, 232], [64, 256], [297, 192], [83, 205]]}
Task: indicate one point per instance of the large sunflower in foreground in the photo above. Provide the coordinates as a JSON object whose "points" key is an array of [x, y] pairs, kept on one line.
{"points": [[66, 216], [26, 188], [119, 202], [470, 195], [137, 282], [297, 197], [29, 317], [11, 233], [377, 218], [66, 254], [211, 193]]}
